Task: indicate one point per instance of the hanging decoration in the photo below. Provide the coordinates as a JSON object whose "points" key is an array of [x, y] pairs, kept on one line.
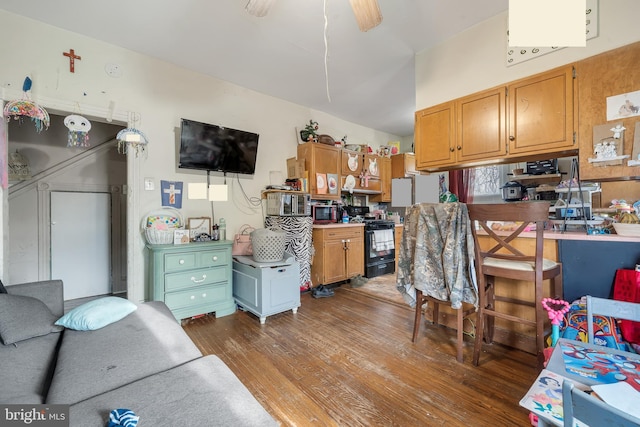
{"points": [[78, 131], [131, 138], [19, 169], [26, 107]]}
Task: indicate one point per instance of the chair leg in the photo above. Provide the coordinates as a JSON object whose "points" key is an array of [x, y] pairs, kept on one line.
{"points": [[460, 344], [477, 345], [490, 303], [540, 318], [436, 313], [418, 315]]}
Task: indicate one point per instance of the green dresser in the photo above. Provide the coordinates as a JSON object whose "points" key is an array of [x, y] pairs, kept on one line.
{"points": [[192, 279]]}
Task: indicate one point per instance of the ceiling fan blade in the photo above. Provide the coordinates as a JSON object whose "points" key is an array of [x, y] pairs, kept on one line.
{"points": [[367, 13]]}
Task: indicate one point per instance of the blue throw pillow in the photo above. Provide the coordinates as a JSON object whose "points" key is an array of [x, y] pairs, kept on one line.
{"points": [[97, 314]]}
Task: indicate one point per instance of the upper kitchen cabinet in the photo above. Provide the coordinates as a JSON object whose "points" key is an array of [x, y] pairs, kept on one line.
{"points": [[481, 126], [541, 114], [360, 172], [434, 136], [320, 159], [466, 130], [612, 73], [384, 166], [403, 165]]}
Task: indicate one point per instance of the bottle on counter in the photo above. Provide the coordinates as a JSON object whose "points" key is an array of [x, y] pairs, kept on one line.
{"points": [[223, 229], [345, 217], [215, 234]]}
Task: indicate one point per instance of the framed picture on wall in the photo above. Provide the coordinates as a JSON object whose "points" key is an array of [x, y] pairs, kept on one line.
{"points": [[198, 225]]}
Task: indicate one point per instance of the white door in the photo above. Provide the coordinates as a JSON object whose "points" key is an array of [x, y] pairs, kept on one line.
{"points": [[80, 242]]}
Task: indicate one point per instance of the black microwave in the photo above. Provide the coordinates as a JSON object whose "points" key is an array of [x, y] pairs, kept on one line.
{"points": [[324, 214]]}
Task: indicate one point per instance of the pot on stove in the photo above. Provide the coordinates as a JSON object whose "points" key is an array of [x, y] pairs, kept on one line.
{"points": [[513, 191]]}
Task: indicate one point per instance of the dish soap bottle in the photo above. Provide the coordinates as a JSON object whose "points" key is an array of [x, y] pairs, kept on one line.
{"points": [[345, 217]]}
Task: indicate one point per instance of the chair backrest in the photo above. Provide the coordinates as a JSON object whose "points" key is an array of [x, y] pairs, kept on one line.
{"points": [[609, 307], [576, 404], [524, 213]]}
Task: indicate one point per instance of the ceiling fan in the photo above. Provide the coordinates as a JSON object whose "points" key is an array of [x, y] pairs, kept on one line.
{"points": [[367, 12]]}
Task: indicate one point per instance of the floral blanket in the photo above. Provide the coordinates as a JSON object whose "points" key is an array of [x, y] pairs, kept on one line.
{"points": [[436, 254]]}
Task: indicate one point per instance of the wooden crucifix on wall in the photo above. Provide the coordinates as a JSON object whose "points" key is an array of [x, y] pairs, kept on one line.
{"points": [[72, 59]]}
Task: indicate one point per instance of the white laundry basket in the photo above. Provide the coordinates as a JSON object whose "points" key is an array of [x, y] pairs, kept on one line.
{"points": [[268, 244]]}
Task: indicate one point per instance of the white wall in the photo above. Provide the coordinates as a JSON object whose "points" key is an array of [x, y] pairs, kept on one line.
{"points": [[475, 60], [162, 93]]}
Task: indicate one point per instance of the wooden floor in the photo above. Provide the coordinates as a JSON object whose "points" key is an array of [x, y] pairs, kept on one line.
{"points": [[348, 360]]}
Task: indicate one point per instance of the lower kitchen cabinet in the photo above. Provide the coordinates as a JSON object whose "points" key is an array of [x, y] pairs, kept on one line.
{"points": [[192, 279], [339, 253]]}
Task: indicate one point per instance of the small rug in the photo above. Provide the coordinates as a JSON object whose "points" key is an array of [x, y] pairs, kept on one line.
{"points": [[381, 288]]}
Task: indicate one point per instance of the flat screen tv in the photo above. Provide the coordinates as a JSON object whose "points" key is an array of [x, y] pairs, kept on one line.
{"points": [[216, 148]]}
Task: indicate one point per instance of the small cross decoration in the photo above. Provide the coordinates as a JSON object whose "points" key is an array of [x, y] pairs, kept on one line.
{"points": [[72, 59]]}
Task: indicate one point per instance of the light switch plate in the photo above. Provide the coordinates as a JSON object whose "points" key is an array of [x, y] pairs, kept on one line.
{"points": [[149, 185]]}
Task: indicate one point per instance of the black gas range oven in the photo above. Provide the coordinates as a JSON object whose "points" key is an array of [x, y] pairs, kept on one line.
{"points": [[379, 242]]}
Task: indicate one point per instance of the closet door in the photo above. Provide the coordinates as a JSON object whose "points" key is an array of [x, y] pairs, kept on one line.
{"points": [[80, 242]]}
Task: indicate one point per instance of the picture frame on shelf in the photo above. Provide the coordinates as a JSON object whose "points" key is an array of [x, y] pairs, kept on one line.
{"points": [[198, 225]]}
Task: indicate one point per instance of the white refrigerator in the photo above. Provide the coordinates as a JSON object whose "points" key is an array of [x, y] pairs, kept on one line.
{"points": [[414, 189]]}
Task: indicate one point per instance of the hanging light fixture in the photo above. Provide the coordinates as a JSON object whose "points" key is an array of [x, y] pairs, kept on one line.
{"points": [[79, 128], [26, 107], [367, 13], [259, 8]]}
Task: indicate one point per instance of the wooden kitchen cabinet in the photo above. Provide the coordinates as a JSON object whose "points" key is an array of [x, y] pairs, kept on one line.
{"points": [[320, 158], [434, 136], [355, 163], [529, 118], [339, 253], [384, 165], [403, 165], [466, 130], [541, 113], [481, 126]]}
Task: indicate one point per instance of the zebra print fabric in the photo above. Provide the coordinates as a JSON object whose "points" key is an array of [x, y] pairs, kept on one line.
{"points": [[298, 241]]}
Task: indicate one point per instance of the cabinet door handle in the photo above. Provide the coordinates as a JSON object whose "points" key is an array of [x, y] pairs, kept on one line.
{"points": [[181, 262], [215, 258], [512, 138], [194, 280], [459, 147], [452, 149]]}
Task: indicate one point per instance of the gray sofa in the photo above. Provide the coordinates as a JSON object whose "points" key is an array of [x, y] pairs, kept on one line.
{"points": [[144, 362]]}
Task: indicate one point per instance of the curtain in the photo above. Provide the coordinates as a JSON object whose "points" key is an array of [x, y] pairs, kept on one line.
{"points": [[461, 184]]}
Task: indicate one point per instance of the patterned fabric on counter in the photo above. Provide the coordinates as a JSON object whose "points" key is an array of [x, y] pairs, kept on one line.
{"points": [[437, 254], [299, 231]]}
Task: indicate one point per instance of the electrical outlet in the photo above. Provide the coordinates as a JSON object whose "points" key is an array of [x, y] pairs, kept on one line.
{"points": [[149, 185]]}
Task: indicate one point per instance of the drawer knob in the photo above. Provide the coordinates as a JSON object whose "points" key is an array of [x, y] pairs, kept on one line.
{"points": [[204, 295], [181, 262], [194, 280], [193, 297], [215, 258]]}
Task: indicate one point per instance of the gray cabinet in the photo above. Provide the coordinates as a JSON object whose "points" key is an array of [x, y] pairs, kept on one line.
{"points": [[266, 288], [192, 279]]}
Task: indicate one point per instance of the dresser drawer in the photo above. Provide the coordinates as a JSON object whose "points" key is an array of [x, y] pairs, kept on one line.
{"points": [[213, 258], [180, 261], [189, 279], [202, 295]]}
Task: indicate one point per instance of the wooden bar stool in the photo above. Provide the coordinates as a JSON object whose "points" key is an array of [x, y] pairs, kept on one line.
{"points": [[504, 260]]}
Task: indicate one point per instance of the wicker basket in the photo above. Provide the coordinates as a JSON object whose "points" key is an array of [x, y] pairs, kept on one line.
{"points": [[158, 226], [268, 245]]}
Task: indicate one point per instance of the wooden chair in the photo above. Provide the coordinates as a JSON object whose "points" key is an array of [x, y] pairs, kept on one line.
{"points": [[578, 405], [505, 260], [609, 307], [421, 299]]}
